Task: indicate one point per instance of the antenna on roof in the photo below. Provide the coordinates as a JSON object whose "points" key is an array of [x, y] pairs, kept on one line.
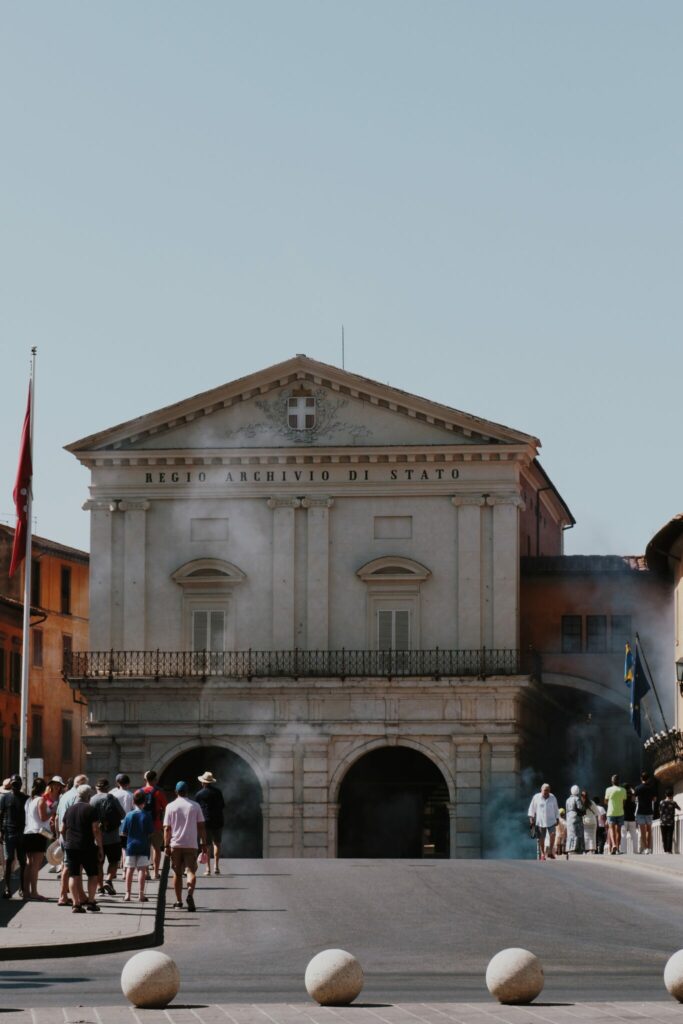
{"points": [[342, 326]]}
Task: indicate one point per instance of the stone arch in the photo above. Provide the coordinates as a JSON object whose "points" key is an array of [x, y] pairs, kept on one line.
{"points": [[182, 747], [211, 573], [619, 698], [350, 758], [393, 568]]}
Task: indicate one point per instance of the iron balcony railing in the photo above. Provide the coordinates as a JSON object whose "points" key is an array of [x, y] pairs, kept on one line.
{"points": [[664, 747], [294, 664]]}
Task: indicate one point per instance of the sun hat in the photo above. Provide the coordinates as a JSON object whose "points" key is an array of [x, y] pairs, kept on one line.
{"points": [[207, 777], [55, 853], [59, 779]]}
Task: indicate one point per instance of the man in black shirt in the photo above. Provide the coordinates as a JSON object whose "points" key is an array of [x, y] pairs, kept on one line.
{"points": [[83, 850], [211, 801], [646, 794], [12, 824]]}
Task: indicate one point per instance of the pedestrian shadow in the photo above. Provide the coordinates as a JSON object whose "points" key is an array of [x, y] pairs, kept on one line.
{"points": [[35, 979]]}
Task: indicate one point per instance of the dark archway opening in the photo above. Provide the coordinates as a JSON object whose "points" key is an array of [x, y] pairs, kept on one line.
{"points": [[393, 802], [243, 829]]}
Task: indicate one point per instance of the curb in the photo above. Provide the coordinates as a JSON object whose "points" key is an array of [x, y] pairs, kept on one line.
{"points": [[138, 940], [644, 865]]}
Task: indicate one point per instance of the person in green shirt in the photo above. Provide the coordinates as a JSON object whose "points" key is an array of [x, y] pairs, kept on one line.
{"points": [[614, 798]]}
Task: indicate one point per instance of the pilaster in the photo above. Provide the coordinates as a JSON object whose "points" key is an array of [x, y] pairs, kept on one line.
{"points": [[505, 569], [469, 570], [318, 571], [101, 548], [283, 571], [134, 575]]}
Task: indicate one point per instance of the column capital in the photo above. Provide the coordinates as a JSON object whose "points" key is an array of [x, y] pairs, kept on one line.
{"points": [[317, 501], [505, 499], [134, 505], [468, 499], [100, 505], [284, 501]]}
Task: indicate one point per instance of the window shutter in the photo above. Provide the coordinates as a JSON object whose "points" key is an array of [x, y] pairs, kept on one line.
{"points": [[402, 630], [200, 629], [217, 624], [384, 630]]}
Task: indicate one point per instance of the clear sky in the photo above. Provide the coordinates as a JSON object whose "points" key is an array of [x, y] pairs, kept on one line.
{"points": [[487, 194]]}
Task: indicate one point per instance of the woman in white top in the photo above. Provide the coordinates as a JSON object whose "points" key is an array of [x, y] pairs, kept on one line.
{"points": [[590, 823], [36, 835]]}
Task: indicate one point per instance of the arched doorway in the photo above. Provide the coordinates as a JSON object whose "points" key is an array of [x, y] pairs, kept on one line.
{"points": [[393, 802], [243, 831]]}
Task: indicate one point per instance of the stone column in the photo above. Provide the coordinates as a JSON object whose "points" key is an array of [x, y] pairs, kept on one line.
{"points": [[318, 571], [332, 829], [283, 571], [101, 547], [134, 575], [315, 806], [505, 569], [469, 570]]}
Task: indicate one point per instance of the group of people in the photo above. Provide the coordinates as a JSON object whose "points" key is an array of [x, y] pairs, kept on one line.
{"points": [[589, 824], [87, 826]]}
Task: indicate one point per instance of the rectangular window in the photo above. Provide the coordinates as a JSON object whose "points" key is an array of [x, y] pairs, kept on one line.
{"points": [[393, 527], [208, 630], [35, 581], [67, 738], [571, 634], [36, 744], [15, 671], [596, 634], [37, 647], [14, 750], [393, 629], [65, 590], [620, 626], [67, 645]]}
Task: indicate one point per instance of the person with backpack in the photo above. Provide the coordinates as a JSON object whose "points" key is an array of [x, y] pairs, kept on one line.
{"points": [[155, 804], [110, 815]]}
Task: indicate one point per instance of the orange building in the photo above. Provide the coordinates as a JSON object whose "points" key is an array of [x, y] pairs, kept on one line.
{"points": [[59, 622]]}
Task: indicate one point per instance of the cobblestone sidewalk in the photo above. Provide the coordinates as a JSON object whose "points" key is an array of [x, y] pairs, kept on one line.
{"points": [[664, 1012]]}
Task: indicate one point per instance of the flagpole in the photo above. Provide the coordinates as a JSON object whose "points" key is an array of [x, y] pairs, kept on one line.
{"points": [[652, 681], [26, 645]]}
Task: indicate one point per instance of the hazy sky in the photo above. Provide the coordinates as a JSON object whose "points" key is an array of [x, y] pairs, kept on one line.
{"points": [[487, 194]]}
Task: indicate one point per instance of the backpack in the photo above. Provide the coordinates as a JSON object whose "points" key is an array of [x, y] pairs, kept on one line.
{"points": [[149, 805], [111, 814]]}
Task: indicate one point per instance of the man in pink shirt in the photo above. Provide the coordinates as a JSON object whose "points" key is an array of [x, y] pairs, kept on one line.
{"points": [[184, 833]]}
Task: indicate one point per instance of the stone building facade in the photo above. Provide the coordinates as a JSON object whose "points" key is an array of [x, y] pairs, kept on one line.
{"points": [[312, 581]]}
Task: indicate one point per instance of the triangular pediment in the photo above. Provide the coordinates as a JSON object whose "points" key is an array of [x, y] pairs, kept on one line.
{"points": [[300, 403]]}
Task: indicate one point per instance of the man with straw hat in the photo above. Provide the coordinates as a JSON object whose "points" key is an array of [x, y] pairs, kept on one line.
{"points": [[211, 801]]}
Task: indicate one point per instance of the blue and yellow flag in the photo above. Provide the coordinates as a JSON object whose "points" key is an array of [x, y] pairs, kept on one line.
{"points": [[628, 665], [639, 688]]}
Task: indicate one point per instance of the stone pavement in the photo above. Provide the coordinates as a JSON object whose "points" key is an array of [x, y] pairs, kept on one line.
{"points": [[46, 929], [659, 1012]]}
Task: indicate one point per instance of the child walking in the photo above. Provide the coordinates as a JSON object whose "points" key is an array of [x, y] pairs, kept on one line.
{"points": [[136, 829]]}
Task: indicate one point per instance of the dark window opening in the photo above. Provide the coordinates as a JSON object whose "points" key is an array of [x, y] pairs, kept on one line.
{"points": [[14, 765], [65, 590], [621, 630], [35, 582], [67, 738], [36, 744], [37, 648], [15, 671], [596, 634], [571, 634]]}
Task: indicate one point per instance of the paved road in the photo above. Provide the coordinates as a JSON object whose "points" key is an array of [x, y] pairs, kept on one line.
{"points": [[423, 931]]}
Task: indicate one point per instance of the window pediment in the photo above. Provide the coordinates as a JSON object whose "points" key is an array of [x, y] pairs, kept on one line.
{"points": [[208, 574], [394, 569]]}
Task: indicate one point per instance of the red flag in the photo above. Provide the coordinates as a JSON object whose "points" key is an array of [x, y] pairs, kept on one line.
{"points": [[20, 494]]}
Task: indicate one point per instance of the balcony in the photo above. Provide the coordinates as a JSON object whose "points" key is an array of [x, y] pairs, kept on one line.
{"points": [[294, 664], [665, 754]]}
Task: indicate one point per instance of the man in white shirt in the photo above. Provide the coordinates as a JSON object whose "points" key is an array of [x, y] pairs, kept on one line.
{"points": [[184, 834], [543, 814]]}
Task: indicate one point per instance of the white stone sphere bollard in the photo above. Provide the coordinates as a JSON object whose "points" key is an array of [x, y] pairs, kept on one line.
{"points": [[514, 976], [334, 978], [150, 979], [673, 975]]}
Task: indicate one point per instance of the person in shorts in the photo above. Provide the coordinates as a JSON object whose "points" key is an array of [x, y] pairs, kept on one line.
{"points": [[83, 849], [12, 825], [156, 804], [110, 816], [667, 820], [646, 794], [543, 814], [615, 795], [184, 833], [211, 801], [136, 832]]}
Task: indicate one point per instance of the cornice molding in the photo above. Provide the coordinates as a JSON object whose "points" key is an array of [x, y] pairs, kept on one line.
{"points": [[283, 501]]}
